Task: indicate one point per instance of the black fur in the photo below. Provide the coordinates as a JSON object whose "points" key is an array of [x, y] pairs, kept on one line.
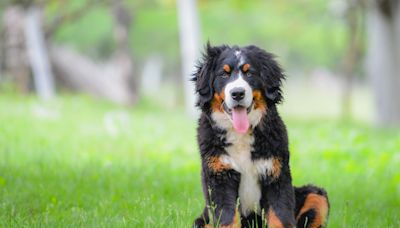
{"points": [[220, 188]]}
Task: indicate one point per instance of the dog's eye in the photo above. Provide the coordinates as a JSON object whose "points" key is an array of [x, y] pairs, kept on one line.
{"points": [[225, 75], [248, 74]]}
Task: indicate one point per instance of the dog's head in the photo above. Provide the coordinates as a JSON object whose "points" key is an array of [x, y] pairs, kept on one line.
{"points": [[236, 86]]}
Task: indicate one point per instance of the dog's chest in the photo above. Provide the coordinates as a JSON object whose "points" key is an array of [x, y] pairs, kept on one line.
{"points": [[239, 158]]}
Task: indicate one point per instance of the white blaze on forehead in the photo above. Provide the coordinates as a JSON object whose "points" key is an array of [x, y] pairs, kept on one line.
{"points": [[239, 55], [238, 83], [241, 62]]}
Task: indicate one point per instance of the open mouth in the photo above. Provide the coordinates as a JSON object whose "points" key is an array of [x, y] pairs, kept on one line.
{"points": [[229, 110], [239, 117]]}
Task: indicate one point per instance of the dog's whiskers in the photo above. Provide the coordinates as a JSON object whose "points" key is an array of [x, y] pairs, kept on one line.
{"points": [[226, 114]]}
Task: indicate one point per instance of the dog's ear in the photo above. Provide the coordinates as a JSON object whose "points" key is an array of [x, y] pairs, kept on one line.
{"points": [[271, 73], [204, 74]]}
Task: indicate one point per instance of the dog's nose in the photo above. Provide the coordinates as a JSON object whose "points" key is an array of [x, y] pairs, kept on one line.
{"points": [[237, 94]]}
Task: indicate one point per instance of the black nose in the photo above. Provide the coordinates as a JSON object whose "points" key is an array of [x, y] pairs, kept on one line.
{"points": [[237, 94]]}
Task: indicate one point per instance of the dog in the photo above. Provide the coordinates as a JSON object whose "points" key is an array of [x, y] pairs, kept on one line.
{"points": [[243, 145]]}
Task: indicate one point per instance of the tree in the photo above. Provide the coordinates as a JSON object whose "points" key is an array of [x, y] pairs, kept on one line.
{"points": [[14, 54], [383, 62], [354, 17], [37, 53], [27, 45], [189, 42]]}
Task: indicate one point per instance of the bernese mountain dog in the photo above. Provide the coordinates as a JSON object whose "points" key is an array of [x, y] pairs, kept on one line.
{"points": [[244, 145]]}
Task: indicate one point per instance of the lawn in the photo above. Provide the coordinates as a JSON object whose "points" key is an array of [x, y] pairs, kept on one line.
{"points": [[78, 162]]}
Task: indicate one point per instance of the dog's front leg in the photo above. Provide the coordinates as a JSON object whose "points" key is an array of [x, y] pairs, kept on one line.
{"points": [[278, 201], [223, 186]]}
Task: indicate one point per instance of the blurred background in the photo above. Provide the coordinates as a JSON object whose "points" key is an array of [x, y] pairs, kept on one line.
{"points": [[97, 122]]}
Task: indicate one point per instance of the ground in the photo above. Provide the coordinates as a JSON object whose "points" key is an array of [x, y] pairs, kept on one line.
{"points": [[81, 162]]}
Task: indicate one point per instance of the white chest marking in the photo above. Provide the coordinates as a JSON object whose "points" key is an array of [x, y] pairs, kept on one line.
{"points": [[239, 158]]}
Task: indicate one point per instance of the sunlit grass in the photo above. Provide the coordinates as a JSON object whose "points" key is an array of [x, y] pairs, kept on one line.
{"points": [[79, 162]]}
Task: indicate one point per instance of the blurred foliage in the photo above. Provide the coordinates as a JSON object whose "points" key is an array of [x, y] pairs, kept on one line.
{"points": [[304, 34], [91, 34]]}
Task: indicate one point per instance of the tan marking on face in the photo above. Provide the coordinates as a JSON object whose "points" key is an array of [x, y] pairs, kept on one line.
{"points": [[214, 163], [259, 101], [227, 68], [245, 67], [272, 220], [320, 205], [216, 103]]}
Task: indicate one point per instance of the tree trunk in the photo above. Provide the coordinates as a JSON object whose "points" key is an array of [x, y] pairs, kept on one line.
{"points": [[189, 41], [122, 57], [37, 53], [383, 64], [81, 73], [112, 79], [352, 55], [15, 56]]}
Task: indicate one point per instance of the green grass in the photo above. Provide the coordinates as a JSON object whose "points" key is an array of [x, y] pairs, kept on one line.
{"points": [[80, 162]]}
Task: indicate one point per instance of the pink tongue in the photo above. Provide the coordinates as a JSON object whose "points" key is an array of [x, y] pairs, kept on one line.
{"points": [[240, 120]]}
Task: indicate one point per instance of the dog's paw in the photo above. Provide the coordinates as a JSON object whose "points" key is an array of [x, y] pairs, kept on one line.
{"points": [[199, 223]]}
